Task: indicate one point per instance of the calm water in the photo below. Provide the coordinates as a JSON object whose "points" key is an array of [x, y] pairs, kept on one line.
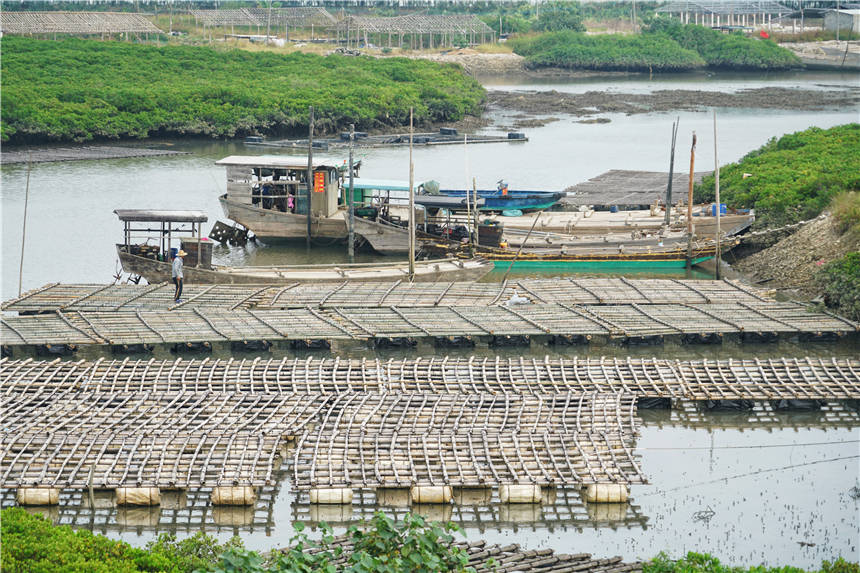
{"points": [[780, 494]]}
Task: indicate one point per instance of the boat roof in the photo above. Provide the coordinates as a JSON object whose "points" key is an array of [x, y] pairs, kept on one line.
{"points": [[284, 161], [161, 216], [382, 184]]}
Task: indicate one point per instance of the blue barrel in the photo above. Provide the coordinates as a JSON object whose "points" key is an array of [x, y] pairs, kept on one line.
{"points": [[613, 208], [714, 209]]}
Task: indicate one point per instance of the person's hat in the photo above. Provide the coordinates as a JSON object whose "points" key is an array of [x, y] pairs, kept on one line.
{"points": [[181, 253]]}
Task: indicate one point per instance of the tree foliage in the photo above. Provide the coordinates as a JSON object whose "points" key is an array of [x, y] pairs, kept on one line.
{"points": [[86, 89], [792, 178], [556, 16]]}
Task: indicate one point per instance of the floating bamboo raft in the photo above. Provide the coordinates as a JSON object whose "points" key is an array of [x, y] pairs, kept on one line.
{"points": [[772, 379], [354, 459], [179, 510], [477, 509], [554, 320], [84, 297], [288, 414]]}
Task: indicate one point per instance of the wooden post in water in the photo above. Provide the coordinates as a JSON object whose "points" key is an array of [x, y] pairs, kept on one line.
{"points": [[690, 204], [468, 198], [717, 193], [310, 171], [411, 205], [24, 229], [671, 172], [350, 201]]}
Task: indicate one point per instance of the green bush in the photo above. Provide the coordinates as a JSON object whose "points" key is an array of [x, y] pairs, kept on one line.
{"points": [[792, 178], [839, 281], [719, 50], [85, 89], [704, 563], [643, 52], [556, 16]]}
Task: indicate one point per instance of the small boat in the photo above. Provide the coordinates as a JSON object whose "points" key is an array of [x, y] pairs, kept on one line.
{"points": [[152, 260], [633, 258], [504, 199]]}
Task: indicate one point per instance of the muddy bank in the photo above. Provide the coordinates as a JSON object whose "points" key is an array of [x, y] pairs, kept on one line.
{"points": [[480, 64], [84, 152], [598, 102], [791, 263]]}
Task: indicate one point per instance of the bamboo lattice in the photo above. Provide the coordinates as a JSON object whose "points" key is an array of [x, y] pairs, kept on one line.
{"points": [[75, 23], [731, 379]]}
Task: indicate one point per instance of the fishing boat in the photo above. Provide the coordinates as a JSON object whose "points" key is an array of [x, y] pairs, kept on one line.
{"points": [[504, 199], [595, 259], [150, 236], [268, 195]]}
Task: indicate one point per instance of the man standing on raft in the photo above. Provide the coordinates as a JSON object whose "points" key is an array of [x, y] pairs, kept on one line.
{"points": [[178, 275]]}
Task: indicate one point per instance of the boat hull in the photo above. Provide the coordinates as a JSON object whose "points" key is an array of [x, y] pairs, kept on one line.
{"points": [[514, 200], [425, 271], [270, 224], [385, 239], [601, 265]]}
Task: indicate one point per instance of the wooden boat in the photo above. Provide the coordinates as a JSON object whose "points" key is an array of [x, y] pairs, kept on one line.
{"points": [[152, 261], [633, 258], [268, 195]]}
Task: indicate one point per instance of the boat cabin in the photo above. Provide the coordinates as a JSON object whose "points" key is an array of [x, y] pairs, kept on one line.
{"points": [[279, 183], [158, 235]]}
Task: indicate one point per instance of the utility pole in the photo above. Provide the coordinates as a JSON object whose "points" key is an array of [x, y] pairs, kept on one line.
{"points": [[268, 22], [675, 125], [351, 239], [310, 171], [411, 205], [24, 230]]}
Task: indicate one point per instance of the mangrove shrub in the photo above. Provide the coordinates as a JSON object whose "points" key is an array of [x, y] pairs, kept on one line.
{"points": [[86, 89]]}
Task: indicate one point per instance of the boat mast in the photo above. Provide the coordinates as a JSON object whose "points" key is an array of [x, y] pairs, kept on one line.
{"points": [[351, 239], [717, 192], [671, 173], [411, 205], [310, 171]]}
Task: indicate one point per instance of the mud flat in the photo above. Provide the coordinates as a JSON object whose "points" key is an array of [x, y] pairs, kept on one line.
{"points": [[597, 102], [49, 154]]}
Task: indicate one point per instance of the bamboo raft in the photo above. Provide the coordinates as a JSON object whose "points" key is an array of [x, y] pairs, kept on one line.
{"points": [[630, 321], [289, 414], [731, 379], [477, 509], [114, 297], [354, 459], [179, 511]]}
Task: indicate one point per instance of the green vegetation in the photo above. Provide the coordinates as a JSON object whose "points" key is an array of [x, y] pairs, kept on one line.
{"points": [[704, 563], [32, 544], [734, 51], [84, 89], [792, 178], [839, 281], [555, 16], [606, 52], [664, 46]]}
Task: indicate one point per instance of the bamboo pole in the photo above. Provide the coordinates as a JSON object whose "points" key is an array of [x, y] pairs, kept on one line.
{"points": [[475, 197], [717, 193], [310, 172], [351, 238], [671, 172], [411, 203], [24, 226], [468, 200], [690, 204], [520, 250]]}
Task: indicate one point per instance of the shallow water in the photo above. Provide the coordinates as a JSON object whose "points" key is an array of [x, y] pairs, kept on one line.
{"points": [[749, 495]]}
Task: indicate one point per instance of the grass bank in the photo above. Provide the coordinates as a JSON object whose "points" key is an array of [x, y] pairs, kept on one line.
{"points": [[792, 178], [662, 46], [79, 90]]}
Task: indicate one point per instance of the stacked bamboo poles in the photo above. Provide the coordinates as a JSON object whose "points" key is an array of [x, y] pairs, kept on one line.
{"points": [[729, 379], [616, 321], [85, 297], [482, 557], [479, 510]]}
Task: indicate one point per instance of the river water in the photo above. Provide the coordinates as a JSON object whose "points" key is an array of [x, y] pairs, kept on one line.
{"points": [[783, 492]]}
